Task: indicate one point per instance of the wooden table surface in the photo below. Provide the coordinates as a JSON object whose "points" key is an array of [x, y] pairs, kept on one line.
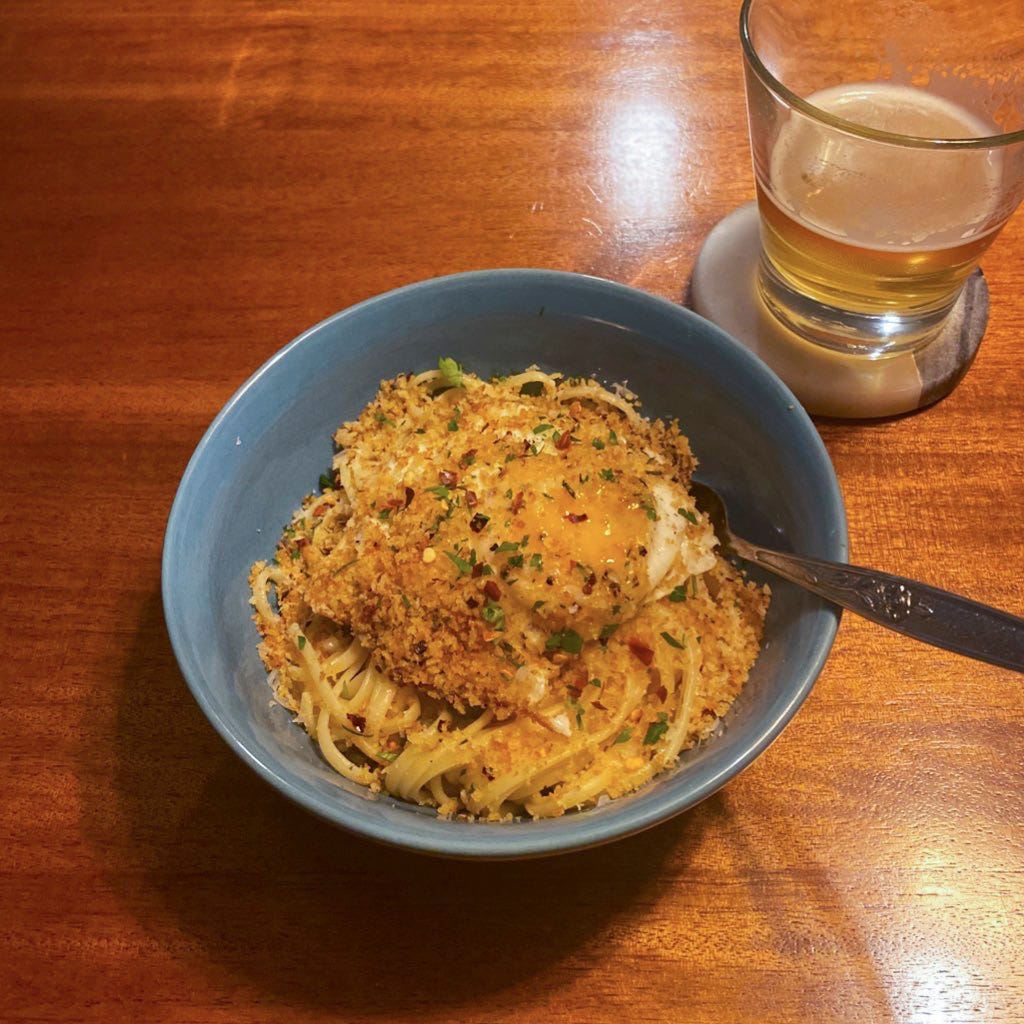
{"points": [[187, 186]]}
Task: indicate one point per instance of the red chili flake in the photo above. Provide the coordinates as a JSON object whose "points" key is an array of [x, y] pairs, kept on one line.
{"points": [[662, 694], [597, 704], [468, 459], [477, 571], [358, 722], [492, 590], [420, 647], [573, 518], [448, 478], [640, 650], [588, 587], [409, 495], [574, 691], [563, 442], [319, 510], [487, 771], [471, 499], [479, 521], [518, 503], [301, 542], [472, 602], [396, 503]]}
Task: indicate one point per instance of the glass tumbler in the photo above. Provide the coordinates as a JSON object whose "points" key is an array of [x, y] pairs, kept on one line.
{"points": [[888, 148]]}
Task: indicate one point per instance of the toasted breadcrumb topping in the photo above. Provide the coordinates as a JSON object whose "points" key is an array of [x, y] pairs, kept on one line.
{"points": [[527, 546]]}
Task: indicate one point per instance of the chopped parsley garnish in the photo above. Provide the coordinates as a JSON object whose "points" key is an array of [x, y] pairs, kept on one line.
{"points": [[607, 474], [578, 708], [295, 553], [301, 641], [450, 371], [508, 545], [508, 494], [453, 423], [595, 682], [565, 640], [464, 567], [384, 513], [493, 614], [656, 729], [650, 512], [672, 641], [441, 491], [608, 630], [541, 427], [623, 737], [536, 561], [613, 438], [381, 418], [326, 483], [537, 605], [687, 514], [598, 444], [678, 594], [406, 601], [516, 561]]}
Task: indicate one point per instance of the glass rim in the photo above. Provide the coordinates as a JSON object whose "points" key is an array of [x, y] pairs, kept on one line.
{"points": [[852, 127]]}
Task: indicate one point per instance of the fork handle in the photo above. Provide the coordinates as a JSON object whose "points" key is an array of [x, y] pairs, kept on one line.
{"points": [[915, 609]]}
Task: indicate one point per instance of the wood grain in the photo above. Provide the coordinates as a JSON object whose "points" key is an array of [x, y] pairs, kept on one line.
{"points": [[185, 188]]}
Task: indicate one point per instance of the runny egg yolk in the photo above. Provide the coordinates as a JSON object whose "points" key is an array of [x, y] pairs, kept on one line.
{"points": [[584, 563], [599, 527]]}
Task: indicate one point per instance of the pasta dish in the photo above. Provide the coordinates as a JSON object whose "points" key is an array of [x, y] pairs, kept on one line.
{"points": [[502, 600]]}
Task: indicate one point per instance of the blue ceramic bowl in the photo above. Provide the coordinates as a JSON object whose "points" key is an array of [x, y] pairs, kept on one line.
{"points": [[267, 447]]}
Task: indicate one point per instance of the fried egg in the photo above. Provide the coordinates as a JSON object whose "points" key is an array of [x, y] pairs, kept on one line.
{"points": [[586, 546]]}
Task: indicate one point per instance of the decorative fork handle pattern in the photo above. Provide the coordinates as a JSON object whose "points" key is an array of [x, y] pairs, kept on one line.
{"points": [[907, 606]]}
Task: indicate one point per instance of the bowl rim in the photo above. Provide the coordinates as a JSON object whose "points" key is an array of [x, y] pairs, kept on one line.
{"points": [[521, 839]]}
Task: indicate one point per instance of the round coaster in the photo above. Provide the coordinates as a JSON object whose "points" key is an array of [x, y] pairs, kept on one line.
{"points": [[723, 290]]}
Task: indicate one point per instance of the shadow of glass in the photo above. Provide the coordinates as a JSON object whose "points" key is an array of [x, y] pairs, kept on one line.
{"points": [[194, 842]]}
